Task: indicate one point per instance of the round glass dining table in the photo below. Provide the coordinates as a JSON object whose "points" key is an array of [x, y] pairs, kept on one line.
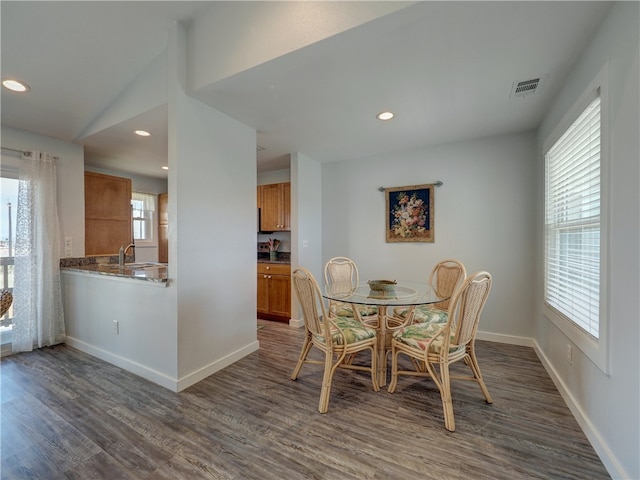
{"points": [[409, 294]]}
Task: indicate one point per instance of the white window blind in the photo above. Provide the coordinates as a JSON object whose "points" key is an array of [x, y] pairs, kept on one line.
{"points": [[144, 208], [572, 222]]}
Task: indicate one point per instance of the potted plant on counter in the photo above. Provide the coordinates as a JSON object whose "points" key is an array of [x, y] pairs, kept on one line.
{"points": [[274, 243]]}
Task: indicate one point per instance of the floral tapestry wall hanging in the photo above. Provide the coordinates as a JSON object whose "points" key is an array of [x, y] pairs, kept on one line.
{"points": [[410, 212]]}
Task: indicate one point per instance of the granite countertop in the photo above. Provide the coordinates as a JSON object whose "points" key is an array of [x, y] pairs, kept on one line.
{"points": [[283, 258], [146, 271]]}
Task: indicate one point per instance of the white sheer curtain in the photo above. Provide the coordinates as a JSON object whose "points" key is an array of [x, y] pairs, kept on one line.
{"points": [[38, 316]]}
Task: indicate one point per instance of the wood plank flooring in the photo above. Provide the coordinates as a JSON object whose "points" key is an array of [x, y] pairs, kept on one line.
{"points": [[67, 415]]}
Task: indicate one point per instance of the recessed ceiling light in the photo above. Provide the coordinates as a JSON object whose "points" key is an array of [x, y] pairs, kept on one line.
{"points": [[165, 167], [384, 116], [15, 85], [142, 133]]}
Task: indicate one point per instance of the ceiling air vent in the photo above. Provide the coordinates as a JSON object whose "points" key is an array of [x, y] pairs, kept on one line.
{"points": [[524, 88]]}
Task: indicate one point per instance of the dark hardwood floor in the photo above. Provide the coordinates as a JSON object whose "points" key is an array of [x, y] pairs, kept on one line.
{"points": [[67, 415]]}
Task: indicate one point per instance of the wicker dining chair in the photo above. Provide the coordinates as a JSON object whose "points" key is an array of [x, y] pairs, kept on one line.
{"points": [[430, 344], [6, 299], [445, 277], [337, 337], [341, 276]]}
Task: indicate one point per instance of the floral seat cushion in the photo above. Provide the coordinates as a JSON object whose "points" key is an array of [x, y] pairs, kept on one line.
{"points": [[423, 314], [420, 335], [353, 330], [341, 309]]}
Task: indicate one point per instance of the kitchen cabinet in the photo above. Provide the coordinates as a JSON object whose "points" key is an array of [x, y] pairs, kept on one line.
{"points": [[107, 213], [274, 201], [274, 291], [163, 228]]}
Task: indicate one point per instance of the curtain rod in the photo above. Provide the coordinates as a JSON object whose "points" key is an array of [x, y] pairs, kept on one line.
{"points": [[437, 183], [12, 149], [21, 152]]}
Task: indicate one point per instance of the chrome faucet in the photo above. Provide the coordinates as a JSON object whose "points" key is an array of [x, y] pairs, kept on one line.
{"points": [[123, 252]]}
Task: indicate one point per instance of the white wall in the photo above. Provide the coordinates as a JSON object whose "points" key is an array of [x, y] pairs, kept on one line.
{"points": [[146, 340], [483, 217], [306, 222], [274, 176], [148, 91], [607, 406], [242, 28], [70, 172], [212, 219]]}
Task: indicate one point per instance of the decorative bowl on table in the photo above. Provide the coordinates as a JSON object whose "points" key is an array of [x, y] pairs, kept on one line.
{"points": [[382, 288]]}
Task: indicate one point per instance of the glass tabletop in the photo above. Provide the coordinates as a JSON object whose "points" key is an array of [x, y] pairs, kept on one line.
{"points": [[404, 293]]}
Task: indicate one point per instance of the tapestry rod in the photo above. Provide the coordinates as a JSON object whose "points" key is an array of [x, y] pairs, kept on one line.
{"points": [[436, 183]]}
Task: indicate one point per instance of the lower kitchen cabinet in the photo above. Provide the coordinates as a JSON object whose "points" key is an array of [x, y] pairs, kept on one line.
{"points": [[274, 291]]}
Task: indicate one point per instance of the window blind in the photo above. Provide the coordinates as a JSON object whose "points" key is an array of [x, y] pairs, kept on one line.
{"points": [[572, 222]]}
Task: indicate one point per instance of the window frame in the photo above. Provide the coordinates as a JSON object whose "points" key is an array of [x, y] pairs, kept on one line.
{"points": [[153, 221], [10, 171], [596, 349]]}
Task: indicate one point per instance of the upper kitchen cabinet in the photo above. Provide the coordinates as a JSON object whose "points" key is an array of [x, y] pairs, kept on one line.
{"points": [[107, 211], [274, 201]]}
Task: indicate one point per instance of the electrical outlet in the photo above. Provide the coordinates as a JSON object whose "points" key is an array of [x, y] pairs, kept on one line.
{"points": [[116, 327], [569, 354]]}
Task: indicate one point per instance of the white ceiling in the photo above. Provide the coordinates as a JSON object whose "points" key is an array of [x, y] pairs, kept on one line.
{"points": [[445, 68]]}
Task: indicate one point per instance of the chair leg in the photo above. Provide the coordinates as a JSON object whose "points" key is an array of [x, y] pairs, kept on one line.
{"points": [[475, 368], [394, 370], [374, 370], [447, 402], [325, 392], [306, 347], [443, 382]]}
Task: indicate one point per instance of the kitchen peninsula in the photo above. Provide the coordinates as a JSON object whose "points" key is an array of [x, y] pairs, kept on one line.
{"points": [[108, 266], [123, 315]]}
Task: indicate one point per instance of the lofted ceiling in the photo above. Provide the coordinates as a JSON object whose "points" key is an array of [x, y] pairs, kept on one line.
{"points": [[446, 69]]}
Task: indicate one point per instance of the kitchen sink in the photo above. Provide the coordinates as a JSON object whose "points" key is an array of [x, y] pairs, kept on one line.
{"points": [[111, 267], [144, 265]]}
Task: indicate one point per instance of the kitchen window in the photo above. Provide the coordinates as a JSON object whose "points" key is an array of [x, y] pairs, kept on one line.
{"points": [[143, 207], [574, 226]]}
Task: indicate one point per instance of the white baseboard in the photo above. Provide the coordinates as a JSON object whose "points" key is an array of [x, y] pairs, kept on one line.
{"points": [[611, 463], [204, 372], [295, 322], [508, 339], [173, 384], [5, 350], [124, 363]]}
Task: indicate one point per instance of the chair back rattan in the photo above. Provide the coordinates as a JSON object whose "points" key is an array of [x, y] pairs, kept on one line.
{"points": [[311, 302], [466, 307], [6, 299], [341, 275], [445, 277]]}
